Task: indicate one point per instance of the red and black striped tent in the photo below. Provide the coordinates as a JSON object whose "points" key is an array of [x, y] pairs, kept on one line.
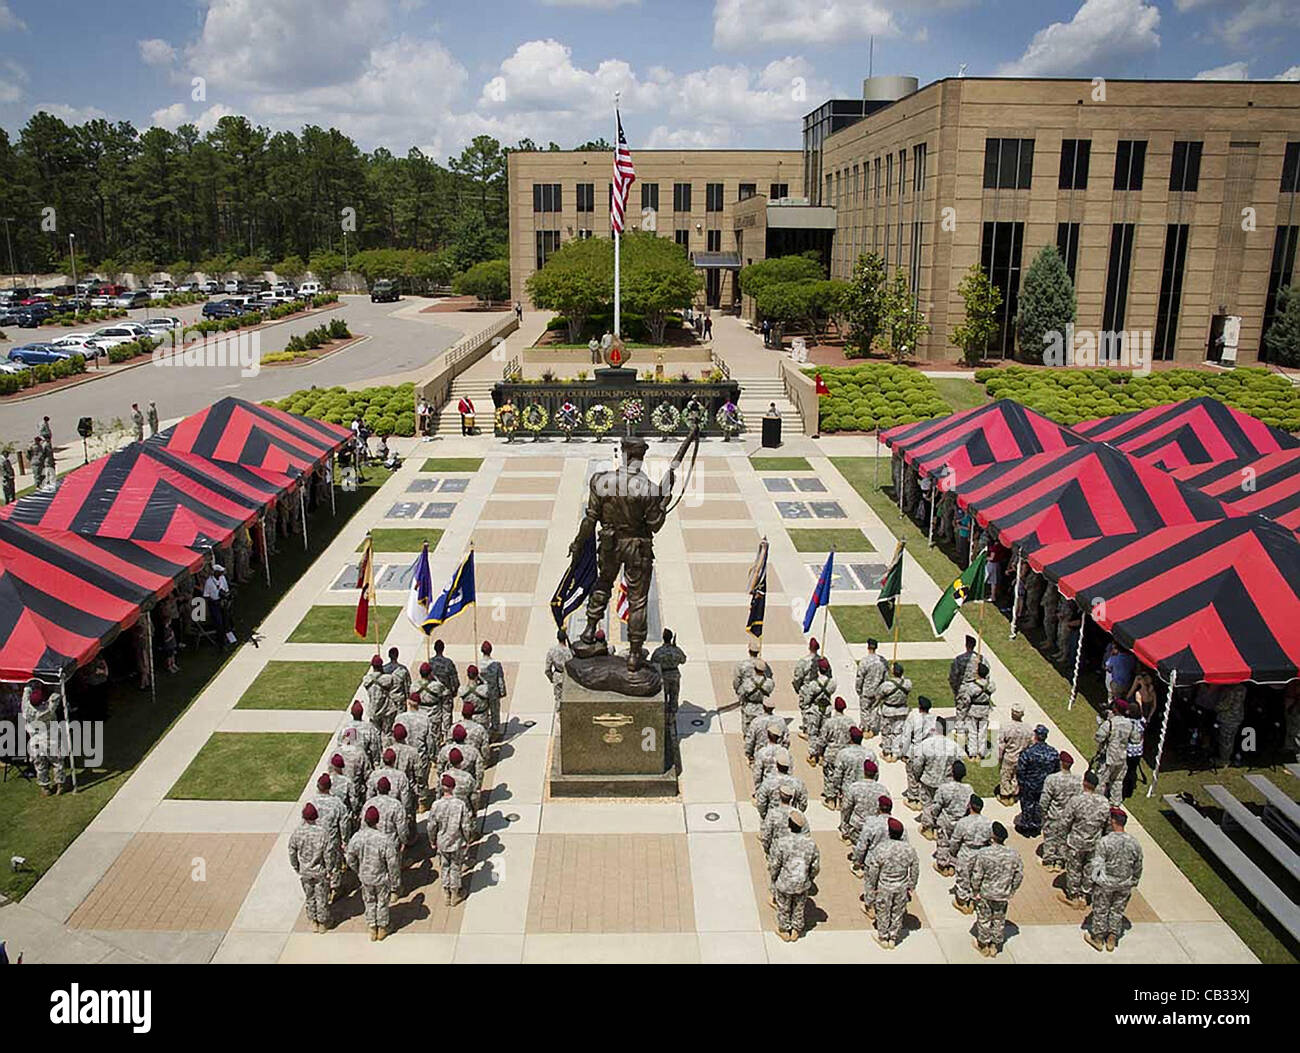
{"points": [[1084, 491], [147, 493], [1198, 431], [1218, 602], [63, 596], [1268, 485], [970, 441], [255, 436]]}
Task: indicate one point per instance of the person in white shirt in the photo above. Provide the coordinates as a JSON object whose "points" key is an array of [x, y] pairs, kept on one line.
{"points": [[216, 590]]}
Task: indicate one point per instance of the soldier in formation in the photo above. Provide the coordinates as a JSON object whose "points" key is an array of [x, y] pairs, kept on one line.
{"points": [[1082, 825], [752, 682], [977, 692], [875, 830], [890, 874], [477, 694], [668, 658], [941, 814], [814, 697], [372, 856], [1058, 789], [860, 801], [792, 864], [759, 728], [970, 833], [934, 760], [1013, 739], [1116, 869], [894, 692], [804, 668], [1115, 732], [775, 821], [415, 729], [848, 764], [313, 849], [494, 678], [335, 815], [557, 660], [871, 672], [995, 874], [451, 831], [832, 736], [917, 726], [1036, 763], [779, 776]]}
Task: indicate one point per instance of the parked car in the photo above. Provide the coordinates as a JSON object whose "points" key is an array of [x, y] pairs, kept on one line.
{"points": [[121, 333], [210, 286], [83, 344], [15, 294], [309, 289], [132, 300], [32, 315], [223, 309], [162, 324], [384, 291], [187, 287], [231, 286], [8, 317], [35, 354], [11, 367]]}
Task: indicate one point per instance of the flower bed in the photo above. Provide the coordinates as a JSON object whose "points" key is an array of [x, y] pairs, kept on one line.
{"points": [[385, 410], [310, 343], [876, 395]]}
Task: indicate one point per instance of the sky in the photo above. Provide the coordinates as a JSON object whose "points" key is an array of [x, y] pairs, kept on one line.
{"points": [[692, 73]]}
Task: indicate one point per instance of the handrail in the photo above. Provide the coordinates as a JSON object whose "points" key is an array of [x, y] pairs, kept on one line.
{"points": [[460, 357]]}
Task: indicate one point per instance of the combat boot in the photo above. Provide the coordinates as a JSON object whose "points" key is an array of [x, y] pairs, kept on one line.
{"points": [[1093, 942], [1076, 904], [374, 934], [381, 933], [450, 897], [1111, 942]]}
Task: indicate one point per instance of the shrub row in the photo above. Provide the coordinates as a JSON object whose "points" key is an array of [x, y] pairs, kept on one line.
{"points": [[876, 395], [39, 374], [385, 410]]}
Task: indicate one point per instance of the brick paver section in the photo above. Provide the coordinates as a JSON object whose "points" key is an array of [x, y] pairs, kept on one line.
{"points": [[703, 540], [523, 484], [729, 577], [502, 539], [713, 508]]}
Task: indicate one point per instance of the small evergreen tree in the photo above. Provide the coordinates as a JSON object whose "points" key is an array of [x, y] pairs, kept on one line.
{"points": [[903, 318], [982, 299], [1047, 303], [865, 304], [1283, 337]]}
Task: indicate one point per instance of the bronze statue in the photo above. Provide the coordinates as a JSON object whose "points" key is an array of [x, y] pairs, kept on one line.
{"points": [[630, 508]]}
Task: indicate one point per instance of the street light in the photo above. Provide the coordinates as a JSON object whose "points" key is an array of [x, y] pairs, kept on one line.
{"points": [[72, 251], [13, 274]]}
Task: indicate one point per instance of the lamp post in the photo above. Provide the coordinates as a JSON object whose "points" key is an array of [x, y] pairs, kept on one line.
{"points": [[13, 274], [72, 252]]}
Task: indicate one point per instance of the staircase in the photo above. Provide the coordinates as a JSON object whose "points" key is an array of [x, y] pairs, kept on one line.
{"points": [[479, 390], [756, 393]]}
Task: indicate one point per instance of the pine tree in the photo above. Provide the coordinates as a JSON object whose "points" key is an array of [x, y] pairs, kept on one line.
{"points": [[1283, 336], [982, 299], [1047, 303]]}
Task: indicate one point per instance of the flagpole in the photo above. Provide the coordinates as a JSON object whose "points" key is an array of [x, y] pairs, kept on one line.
{"points": [[826, 614], [471, 552], [617, 94]]}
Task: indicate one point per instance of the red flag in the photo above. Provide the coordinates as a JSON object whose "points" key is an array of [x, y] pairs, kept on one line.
{"points": [[366, 583], [822, 389]]}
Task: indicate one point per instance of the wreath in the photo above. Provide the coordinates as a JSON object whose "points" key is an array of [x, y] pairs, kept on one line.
{"points": [[568, 417], [600, 418], [729, 418], [534, 418], [631, 410], [693, 414], [666, 418], [507, 418]]}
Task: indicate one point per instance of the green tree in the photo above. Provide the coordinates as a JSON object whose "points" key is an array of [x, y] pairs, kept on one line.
{"points": [[657, 279], [489, 281], [600, 145], [778, 269], [1047, 303], [865, 304], [481, 168], [982, 299], [1283, 337], [903, 318], [784, 304], [576, 282], [289, 267]]}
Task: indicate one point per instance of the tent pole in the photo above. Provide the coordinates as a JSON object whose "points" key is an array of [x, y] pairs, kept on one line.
{"points": [[67, 733], [266, 553], [1164, 731], [934, 492], [148, 648], [331, 480], [1015, 599], [875, 465], [302, 511], [902, 484], [1078, 657]]}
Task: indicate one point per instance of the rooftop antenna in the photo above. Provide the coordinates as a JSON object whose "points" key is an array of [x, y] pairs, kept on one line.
{"points": [[871, 54], [961, 70]]}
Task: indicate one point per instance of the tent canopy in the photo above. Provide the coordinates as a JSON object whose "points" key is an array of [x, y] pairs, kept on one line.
{"points": [[1210, 601], [1268, 485], [255, 436]]}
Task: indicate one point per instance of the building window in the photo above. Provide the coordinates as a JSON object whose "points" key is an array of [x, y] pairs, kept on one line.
{"points": [[650, 196], [1075, 154], [1291, 169], [1279, 277], [584, 234], [713, 196], [1000, 256], [546, 197], [547, 242], [1117, 275], [918, 167], [747, 190], [914, 263], [889, 175], [877, 164], [778, 191], [1171, 289], [715, 240], [681, 197], [683, 238], [1130, 163], [1185, 169], [902, 171], [586, 197], [1067, 244], [1008, 164]]}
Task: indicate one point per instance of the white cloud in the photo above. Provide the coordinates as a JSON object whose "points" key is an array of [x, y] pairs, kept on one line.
{"points": [[1293, 73], [156, 52], [1236, 21], [70, 114], [747, 23], [1099, 32], [13, 81], [171, 117], [1231, 71], [9, 20]]}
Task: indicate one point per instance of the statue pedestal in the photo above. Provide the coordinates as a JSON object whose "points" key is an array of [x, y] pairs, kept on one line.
{"points": [[612, 745]]}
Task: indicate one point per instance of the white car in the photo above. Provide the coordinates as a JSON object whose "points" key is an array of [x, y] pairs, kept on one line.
{"points": [[308, 289], [188, 287], [163, 323], [210, 286], [231, 286], [11, 367], [119, 334]]}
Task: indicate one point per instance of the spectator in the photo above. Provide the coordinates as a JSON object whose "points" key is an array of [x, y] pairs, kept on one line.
{"points": [[216, 590], [767, 332], [1119, 664]]}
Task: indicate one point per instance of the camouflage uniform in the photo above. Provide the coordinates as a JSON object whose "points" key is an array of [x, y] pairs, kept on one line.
{"points": [[871, 671], [1116, 871], [757, 737], [243, 561], [893, 711], [313, 854], [970, 833], [401, 677], [995, 874], [1084, 822], [916, 729], [43, 737], [7, 479], [792, 865], [493, 677], [400, 794], [379, 687], [1113, 736], [891, 873], [769, 792], [935, 757], [775, 823], [832, 736], [466, 788], [437, 699], [1229, 714], [477, 692], [407, 761], [1013, 739], [816, 694], [137, 423], [341, 789], [804, 670], [444, 669], [1058, 790], [471, 761], [848, 766], [978, 694], [451, 831], [372, 856], [557, 658], [752, 682], [475, 735], [875, 831], [270, 528], [1051, 600], [1036, 763], [764, 763], [861, 800], [368, 737], [335, 820], [1031, 609], [961, 669], [950, 803], [422, 738], [668, 659], [356, 766]]}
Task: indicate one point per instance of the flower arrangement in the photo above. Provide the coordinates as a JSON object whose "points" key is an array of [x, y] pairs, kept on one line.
{"points": [[666, 418], [567, 419], [729, 419], [535, 418], [693, 414], [632, 411], [600, 418], [507, 420]]}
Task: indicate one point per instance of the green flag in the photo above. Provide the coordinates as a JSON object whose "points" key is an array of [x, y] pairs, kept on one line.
{"points": [[891, 584], [970, 586]]}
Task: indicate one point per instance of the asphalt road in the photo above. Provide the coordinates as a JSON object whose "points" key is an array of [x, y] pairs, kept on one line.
{"points": [[396, 345]]}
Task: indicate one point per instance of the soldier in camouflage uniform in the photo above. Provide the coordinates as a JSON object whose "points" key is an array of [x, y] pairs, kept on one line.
{"points": [[1083, 825], [752, 682], [477, 693], [388, 797], [779, 776], [890, 875], [848, 764], [1036, 763], [804, 669], [995, 875], [40, 710], [934, 759], [407, 760], [860, 801], [792, 864], [438, 700], [1114, 734], [557, 659], [814, 696], [471, 755], [1116, 871], [270, 530], [341, 787], [776, 821], [7, 478], [421, 736], [243, 556], [1058, 789], [466, 785], [1067, 611], [1051, 601], [1013, 739], [941, 815], [916, 729], [356, 765], [471, 732], [871, 672], [1229, 715], [757, 737], [978, 695], [1031, 607], [367, 734], [443, 668], [894, 692], [400, 674], [765, 757], [372, 856], [376, 693], [962, 668], [668, 658], [451, 832], [313, 854], [875, 830], [494, 679], [969, 834], [832, 736], [137, 421], [336, 818]]}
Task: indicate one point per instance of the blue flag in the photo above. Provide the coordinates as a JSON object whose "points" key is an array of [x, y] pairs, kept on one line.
{"points": [[455, 597], [821, 596], [577, 583]]}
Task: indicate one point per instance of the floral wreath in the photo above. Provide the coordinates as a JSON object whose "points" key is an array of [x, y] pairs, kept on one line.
{"points": [[600, 418], [534, 418], [507, 418], [729, 418], [567, 417], [693, 413], [666, 418], [631, 410]]}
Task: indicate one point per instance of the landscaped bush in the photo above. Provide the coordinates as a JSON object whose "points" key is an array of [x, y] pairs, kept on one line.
{"points": [[876, 395], [392, 408], [1074, 395], [125, 352], [39, 374]]}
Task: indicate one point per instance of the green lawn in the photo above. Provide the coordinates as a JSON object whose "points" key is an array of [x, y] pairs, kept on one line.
{"points": [[41, 828], [863, 620], [1050, 686], [929, 676], [333, 623], [842, 539], [780, 464], [303, 685], [403, 539], [251, 766], [452, 464], [960, 393]]}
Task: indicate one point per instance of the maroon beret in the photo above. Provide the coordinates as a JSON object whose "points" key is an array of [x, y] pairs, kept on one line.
{"points": [[376, 662], [357, 709], [870, 767], [458, 733], [449, 782], [324, 783], [336, 761], [390, 755], [455, 756], [309, 811], [383, 785], [372, 815]]}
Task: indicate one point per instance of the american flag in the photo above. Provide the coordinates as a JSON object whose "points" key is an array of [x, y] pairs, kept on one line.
{"points": [[624, 177]]}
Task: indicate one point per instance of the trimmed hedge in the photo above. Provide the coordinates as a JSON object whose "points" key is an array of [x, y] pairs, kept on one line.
{"points": [[39, 374], [876, 395], [385, 410], [1073, 395]]}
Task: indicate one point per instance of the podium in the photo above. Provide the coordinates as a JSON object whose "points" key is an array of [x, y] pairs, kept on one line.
{"points": [[771, 432]]}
